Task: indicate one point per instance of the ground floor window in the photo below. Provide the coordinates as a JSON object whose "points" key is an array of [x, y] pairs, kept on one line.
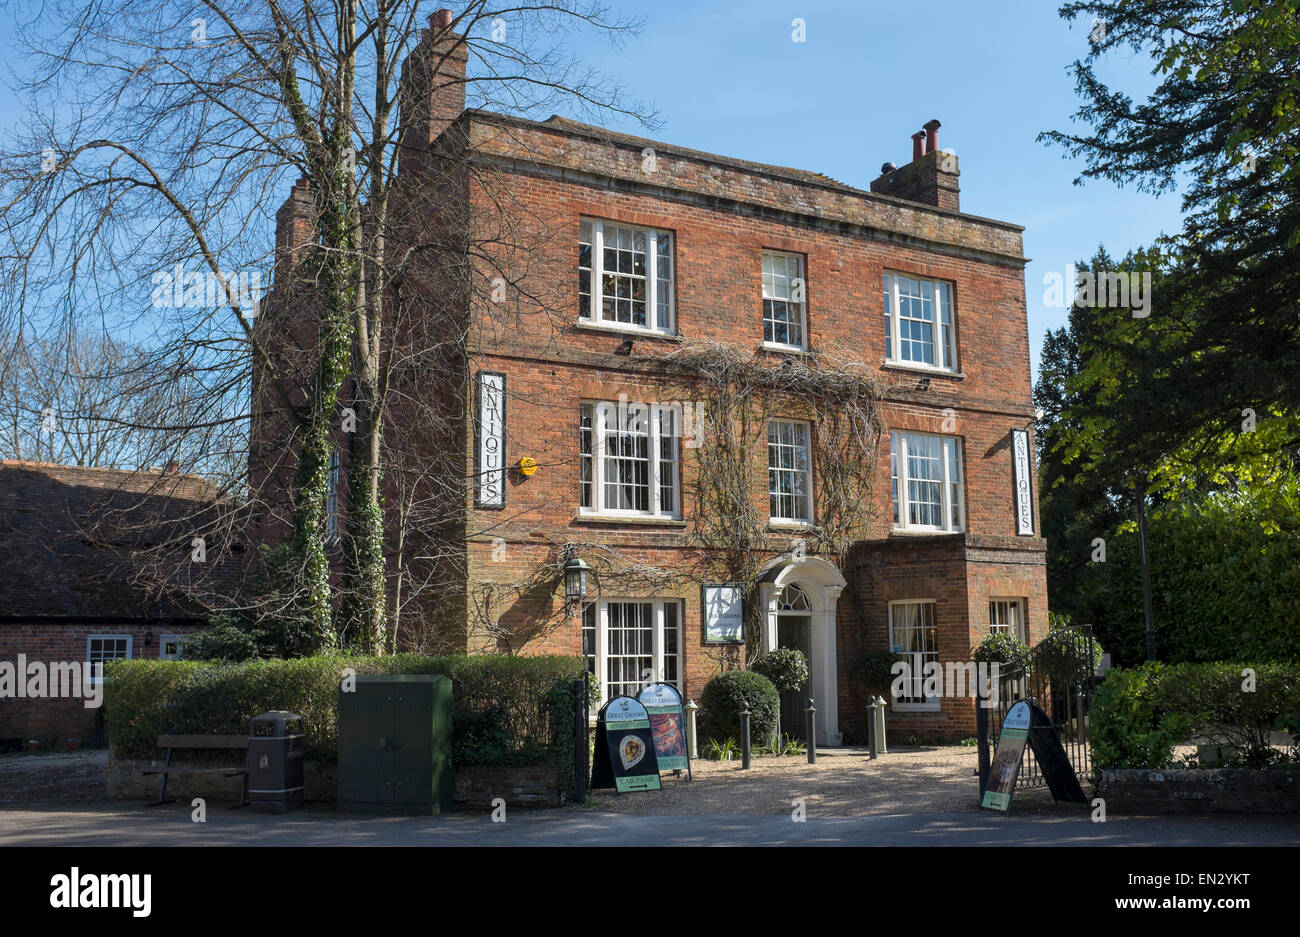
{"points": [[914, 634], [629, 643], [106, 647], [1008, 615], [172, 646]]}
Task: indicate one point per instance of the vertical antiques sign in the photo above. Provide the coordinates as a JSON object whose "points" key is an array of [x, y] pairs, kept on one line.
{"points": [[1024, 482], [491, 452]]}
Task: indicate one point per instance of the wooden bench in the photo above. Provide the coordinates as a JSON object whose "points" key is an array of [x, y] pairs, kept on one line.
{"points": [[200, 743]]}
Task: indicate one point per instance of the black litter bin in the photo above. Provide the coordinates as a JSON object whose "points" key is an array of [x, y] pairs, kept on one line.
{"points": [[275, 753]]}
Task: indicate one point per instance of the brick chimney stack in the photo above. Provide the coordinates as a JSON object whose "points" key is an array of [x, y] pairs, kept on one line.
{"points": [[295, 229], [433, 88], [931, 176]]}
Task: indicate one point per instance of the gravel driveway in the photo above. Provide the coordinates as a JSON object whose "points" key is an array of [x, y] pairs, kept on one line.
{"points": [[53, 778], [843, 783]]}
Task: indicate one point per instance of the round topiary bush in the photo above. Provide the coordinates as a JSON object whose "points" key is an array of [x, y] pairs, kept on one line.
{"points": [[723, 698], [786, 667], [1005, 649]]}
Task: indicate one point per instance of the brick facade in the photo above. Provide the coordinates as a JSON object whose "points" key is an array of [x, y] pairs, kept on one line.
{"points": [[537, 180]]}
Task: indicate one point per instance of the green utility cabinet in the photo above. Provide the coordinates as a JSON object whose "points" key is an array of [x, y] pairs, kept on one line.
{"points": [[395, 744]]}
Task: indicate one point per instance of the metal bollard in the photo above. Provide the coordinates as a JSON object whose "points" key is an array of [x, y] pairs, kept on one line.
{"points": [[744, 737], [880, 726], [692, 750], [871, 728], [812, 732]]}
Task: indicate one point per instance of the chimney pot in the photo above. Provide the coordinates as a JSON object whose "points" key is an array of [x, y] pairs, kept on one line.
{"points": [[931, 128], [440, 20], [918, 144]]}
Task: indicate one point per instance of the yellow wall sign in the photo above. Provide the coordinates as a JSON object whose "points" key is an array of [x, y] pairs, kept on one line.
{"points": [[527, 467]]}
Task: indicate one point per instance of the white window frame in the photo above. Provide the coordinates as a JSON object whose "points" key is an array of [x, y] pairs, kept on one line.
{"points": [[945, 342], [602, 412], [180, 639], [807, 520], [931, 704], [802, 306], [91, 638], [657, 655], [652, 278], [951, 490], [1021, 629]]}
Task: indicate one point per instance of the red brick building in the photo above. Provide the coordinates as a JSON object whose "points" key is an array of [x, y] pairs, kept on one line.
{"points": [[70, 592], [622, 250]]}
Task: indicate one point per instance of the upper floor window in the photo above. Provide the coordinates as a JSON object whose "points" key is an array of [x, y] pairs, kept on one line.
{"points": [[925, 479], [783, 300], [918, 323], [628, 459], [789, 476], [625, 276]]}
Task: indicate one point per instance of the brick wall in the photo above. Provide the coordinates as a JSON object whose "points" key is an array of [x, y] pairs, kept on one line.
{"points": [[53, 721]]}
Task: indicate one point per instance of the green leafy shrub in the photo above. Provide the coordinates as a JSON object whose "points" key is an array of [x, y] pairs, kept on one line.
{"points": [[722, 751], [1139, 715], [1128, 730], [1005, 649], [506, 710], [873, 671], [1064, 655], [786, 667], [225, 640], [722, 700]]}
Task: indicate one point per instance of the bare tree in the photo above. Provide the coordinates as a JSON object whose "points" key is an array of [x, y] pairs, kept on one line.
{"points": [[137, 201]]}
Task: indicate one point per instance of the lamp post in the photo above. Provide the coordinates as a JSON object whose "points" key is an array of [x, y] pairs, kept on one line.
{"points": [[575, 580]]}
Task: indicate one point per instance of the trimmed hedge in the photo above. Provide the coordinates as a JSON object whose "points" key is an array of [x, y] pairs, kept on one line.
{"points": [[1139, 715], [506, 710], [720, 706]]}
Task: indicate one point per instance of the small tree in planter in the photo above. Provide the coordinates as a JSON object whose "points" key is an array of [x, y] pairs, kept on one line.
{"points": [[786, 667], [1010, 654]]}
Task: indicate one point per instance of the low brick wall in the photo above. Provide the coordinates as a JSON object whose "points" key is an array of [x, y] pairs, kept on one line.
{"points": [[537, 785], [1200, 790]]}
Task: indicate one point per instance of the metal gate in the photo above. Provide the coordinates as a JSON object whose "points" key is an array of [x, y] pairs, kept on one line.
{"points": [[1060, 678]]}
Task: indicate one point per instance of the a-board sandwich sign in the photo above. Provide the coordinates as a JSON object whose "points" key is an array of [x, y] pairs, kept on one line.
{"points": [[625, 751], [663, 704], [1006, 763]]}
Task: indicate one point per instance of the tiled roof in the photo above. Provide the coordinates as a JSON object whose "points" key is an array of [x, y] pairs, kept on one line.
{"points": [[71, 538]]}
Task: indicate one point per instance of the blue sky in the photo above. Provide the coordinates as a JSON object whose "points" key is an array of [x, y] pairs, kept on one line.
{"points": [[728, 79]]}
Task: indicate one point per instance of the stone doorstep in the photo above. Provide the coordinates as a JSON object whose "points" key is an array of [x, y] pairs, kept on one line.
{"points": [[475, 785]]}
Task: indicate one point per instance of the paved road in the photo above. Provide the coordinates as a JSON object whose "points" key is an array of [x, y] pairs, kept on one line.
{"points": [[171, 825]]}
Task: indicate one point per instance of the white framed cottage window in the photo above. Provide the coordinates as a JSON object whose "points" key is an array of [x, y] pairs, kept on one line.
{"points": [[914, 634], [784, 301], [625, 277], [105, 647], [919, 328], [789, 472], [926, 482], [629, 643], [629, 460]]}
